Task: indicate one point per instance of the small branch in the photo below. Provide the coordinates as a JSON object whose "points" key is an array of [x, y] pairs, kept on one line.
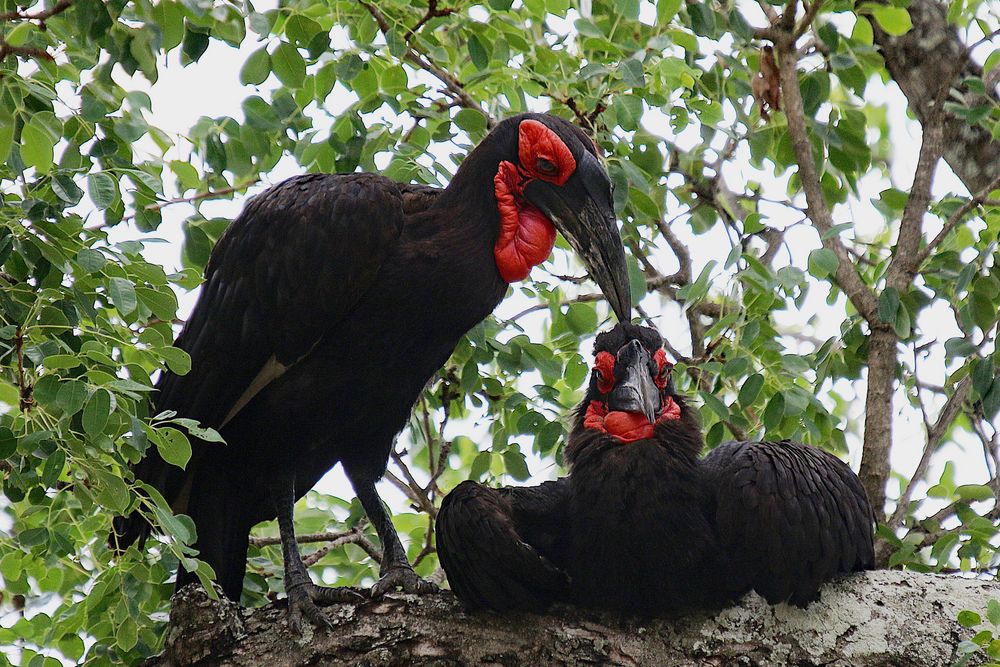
{"points": [[811, 11], [432, 13], [209, 194], [859, 293], [25, 51], [452, 85], [956, 218], [24, 389], [935, 433], [905, 256], [41, 16]]}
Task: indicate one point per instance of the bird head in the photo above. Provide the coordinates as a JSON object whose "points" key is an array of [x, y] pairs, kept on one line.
{"points": [[631, 395], [551, 179]]}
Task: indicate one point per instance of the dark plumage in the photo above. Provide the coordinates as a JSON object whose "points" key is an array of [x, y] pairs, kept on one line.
{"points": [[329, 303], [642, 524]]}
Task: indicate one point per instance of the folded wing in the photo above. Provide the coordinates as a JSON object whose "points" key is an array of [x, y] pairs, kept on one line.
{"points": [[790, 517], [504, 548]]}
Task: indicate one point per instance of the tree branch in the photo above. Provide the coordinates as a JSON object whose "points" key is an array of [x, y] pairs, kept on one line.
{"points": [[452, 85], [875, 618], [41, 17], [955, 218]]}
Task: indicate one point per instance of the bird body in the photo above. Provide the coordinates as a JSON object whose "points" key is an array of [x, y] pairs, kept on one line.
{"points": [[327, 306], [648, 525]]}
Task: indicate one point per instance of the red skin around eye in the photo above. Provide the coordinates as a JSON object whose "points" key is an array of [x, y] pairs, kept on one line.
{"points": [[526, 236], [604, 362], [661, 362], [535, 141]]}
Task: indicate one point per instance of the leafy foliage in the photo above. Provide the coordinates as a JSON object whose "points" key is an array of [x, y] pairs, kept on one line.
{"points": [[767, 334]]}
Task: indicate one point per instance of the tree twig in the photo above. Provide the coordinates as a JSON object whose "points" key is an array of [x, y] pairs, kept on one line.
{"points": [[452, 85], [955, 218], [41, 17]]}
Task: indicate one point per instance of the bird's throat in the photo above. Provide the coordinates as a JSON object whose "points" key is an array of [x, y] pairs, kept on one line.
{"points": [[627, 426], [526, 235]]}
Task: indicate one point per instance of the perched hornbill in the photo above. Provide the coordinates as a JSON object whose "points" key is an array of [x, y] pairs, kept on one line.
{"points": [[641, 524], [329, 303]]}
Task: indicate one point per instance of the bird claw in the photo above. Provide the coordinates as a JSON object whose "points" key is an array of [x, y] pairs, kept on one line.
{"points": [[303, 601], [404, 578]]}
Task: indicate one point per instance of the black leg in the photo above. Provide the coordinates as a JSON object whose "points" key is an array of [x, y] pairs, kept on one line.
{"points": [[395, 570], [302, 593]]}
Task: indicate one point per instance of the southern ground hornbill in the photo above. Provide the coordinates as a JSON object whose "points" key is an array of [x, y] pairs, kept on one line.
{"points": [[642, 524], [328, 304]]}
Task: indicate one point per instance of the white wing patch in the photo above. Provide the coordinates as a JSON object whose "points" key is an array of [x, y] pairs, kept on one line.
{"points": [[271, 371]]}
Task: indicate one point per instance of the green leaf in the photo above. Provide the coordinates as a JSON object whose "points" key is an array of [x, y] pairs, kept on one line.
{"points": [[974, 492], [480, 465], [122, 294], [8, 442], [103, 189], [715, 405], [256, 68], [471, 121], [288, 65], [969, 619], [631, 73], [863, 32], [71, 397], [982, 376], [993, 611], [172, 525], [91, 260], [54, 361], [751, 389], [515, 464], [112, 492], [66, 189], [888, 304], [177, 360], [95, 414], [36, 147], [823, 262], [894, 20], [666, 10], [774, 412], [478, 53], [173, 446]]}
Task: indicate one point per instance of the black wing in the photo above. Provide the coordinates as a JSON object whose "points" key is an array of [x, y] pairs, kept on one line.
{"points": [[293, 264], [790, 517], [503, 548]]}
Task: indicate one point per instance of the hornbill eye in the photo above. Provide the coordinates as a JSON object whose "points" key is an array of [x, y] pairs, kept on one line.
{"points": [[546, 167]]}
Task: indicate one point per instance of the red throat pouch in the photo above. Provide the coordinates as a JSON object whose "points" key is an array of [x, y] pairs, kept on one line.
{"points": [[526, 235]]}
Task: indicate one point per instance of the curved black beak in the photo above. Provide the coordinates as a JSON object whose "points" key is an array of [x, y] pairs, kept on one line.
{"points": [[583, 212], [635, 389]]}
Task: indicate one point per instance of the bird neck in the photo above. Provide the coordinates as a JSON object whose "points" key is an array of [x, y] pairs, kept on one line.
{"points": [[678, 434], [521, 235]]}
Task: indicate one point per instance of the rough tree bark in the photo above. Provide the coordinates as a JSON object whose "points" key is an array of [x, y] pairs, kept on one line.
{"points": [[920, 62], [867, 619]]}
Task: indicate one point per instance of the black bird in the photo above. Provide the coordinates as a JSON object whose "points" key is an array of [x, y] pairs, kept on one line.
{"points": [[329, 303], [642, 524]]}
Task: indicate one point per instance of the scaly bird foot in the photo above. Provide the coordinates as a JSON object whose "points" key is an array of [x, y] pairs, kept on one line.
{"points": [[303, 600], [402, 577]]}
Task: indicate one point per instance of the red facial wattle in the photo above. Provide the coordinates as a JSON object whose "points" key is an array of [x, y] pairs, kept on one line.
{"points": [[627, 426], [526, 236]]}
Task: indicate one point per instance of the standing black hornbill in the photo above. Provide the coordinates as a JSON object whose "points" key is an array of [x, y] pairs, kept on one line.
{"points": [[329, 303], [642, 524]]}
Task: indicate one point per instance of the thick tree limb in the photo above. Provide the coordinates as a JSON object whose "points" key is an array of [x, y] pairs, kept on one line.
{"points": [[873, 618], [920, 61]]}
